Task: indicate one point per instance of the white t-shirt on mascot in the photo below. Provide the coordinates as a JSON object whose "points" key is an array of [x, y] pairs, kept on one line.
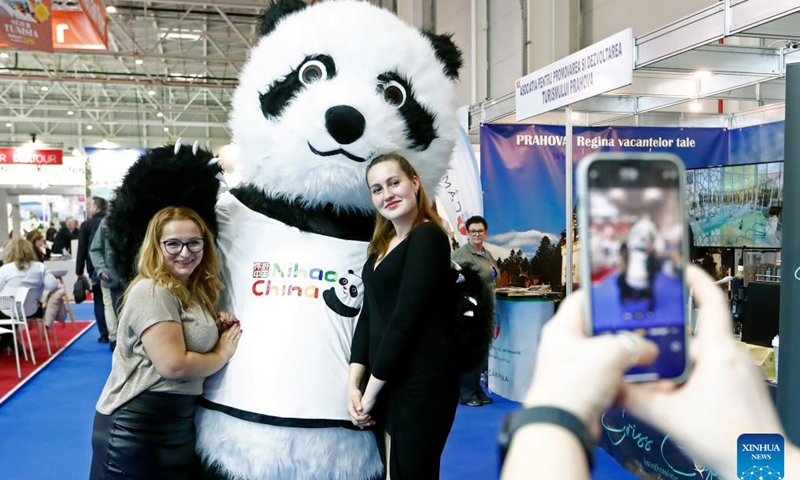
{"points": [[298, 315]]}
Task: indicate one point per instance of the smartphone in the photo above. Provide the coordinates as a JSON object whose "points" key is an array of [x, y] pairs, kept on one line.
{"points": [[634, 246]]}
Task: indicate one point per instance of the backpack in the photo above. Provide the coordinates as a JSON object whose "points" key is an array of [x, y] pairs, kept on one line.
{"points": [[473, 326]]}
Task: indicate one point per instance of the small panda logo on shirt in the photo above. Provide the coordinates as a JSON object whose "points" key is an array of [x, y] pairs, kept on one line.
{"points": [[346, 297]]}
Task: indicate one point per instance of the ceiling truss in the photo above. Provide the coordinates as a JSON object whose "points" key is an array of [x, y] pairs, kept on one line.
{"points": [[735, 50]]}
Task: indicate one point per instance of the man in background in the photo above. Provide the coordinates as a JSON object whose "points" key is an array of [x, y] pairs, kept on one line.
{"points": [[64, 237], [96, 211], [103, 260]]}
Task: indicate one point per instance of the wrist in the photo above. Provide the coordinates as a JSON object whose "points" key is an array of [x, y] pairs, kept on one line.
{"points": [[569, 405], [552, 417]]}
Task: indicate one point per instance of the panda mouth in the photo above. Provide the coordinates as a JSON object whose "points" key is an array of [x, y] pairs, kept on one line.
{"points": [[338, 151]]}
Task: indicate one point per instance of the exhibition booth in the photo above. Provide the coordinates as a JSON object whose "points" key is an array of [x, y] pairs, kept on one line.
{"points": [[738, 199]]}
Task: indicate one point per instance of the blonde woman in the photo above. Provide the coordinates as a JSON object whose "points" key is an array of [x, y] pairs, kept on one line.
{"points": [[170, 338], [22, 269]]}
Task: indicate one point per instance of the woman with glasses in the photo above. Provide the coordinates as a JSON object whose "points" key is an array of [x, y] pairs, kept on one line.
{"points": [[170, 338], [475, 256]]}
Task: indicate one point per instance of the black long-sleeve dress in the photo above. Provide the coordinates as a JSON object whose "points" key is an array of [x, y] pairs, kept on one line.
{"points": [[403, 337]]}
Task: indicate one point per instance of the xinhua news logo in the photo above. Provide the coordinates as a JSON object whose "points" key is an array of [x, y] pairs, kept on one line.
{"points": [[760, 456]]}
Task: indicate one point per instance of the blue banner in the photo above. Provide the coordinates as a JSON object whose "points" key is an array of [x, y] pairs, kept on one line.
{"points": [[523, 173], [757, 144], [646, 452]]}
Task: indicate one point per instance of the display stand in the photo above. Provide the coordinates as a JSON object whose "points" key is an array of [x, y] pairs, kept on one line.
{"points": [[512, 357]]}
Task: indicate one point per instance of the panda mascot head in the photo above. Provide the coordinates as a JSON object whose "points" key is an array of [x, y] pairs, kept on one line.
{"points": [[328, 88]]}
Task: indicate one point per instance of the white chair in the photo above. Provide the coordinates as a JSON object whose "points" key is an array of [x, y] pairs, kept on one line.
{"points": [[30, 305], [27, 303], [14, 307], [7, 307]]}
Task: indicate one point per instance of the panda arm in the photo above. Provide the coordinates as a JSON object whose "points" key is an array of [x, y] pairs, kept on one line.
{"points": [[425, 273]]}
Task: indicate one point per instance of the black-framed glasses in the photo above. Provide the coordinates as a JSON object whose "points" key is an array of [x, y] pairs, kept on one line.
{"points": [[173, 246], [476, 232]]}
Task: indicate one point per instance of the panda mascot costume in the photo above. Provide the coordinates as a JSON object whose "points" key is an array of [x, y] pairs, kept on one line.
{"points": [[326, 89]]}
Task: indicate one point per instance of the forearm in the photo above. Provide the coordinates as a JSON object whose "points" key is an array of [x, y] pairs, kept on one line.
{"points": [[193, 366], [548, 450], [357, 371], [374, 387]]}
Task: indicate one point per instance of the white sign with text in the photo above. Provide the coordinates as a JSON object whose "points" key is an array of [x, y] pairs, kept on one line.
{"points": [[599, 68]]}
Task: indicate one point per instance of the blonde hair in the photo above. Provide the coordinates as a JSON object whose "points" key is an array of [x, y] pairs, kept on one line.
{"points": [[20, 252], [384, 230], [203, 285]]}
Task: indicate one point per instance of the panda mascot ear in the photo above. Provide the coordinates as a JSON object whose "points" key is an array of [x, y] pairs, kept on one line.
{"points": [[161, 177], [276, 12], [447, 52]]}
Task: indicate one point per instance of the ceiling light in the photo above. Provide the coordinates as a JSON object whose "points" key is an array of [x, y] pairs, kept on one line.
{"points": [[575, 116], [88, 127], [189, 37], [44, 89], [166, 129], [151, 92], [702, 74], [159, 114], [139, 61], [8, 124], [70, 112], [695, 106], [4, 55], [111, 9]]}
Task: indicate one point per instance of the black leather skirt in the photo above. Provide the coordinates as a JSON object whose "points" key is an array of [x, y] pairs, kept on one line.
{"points": [[149, 438]]}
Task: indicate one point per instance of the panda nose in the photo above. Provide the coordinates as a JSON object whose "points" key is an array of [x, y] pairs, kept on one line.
{"points": [[345, 124]]}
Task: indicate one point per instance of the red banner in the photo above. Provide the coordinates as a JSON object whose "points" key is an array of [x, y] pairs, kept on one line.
{"points": [[73, 30], [27, 156], [26, 24]]}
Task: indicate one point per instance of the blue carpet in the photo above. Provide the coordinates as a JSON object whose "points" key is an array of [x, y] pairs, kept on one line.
{"points": [[45, 428], [471, 450]]}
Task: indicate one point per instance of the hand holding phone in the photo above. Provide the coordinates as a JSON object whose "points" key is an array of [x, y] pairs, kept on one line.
{"points": [[633, 250]]}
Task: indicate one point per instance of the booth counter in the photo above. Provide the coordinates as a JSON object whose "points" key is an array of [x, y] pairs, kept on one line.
{"points": [[512, 356]]}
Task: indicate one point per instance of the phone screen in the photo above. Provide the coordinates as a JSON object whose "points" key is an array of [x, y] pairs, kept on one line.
{"points": [[636, 247]]}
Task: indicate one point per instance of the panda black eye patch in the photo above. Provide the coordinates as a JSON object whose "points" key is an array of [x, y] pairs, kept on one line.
{"points": [[281, 92], [418, 119]]}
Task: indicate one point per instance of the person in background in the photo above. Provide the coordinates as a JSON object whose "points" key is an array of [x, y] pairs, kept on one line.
{"points": [[103, 260], [170, 338], [474, 255], [50, 234], [65, 235], [402, 336], [581, 377], [40, 247], [20, 269], [96, 210]]}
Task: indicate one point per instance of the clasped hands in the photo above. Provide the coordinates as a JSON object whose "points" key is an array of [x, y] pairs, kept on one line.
{"points": [[225, 321], [359, 408]]}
